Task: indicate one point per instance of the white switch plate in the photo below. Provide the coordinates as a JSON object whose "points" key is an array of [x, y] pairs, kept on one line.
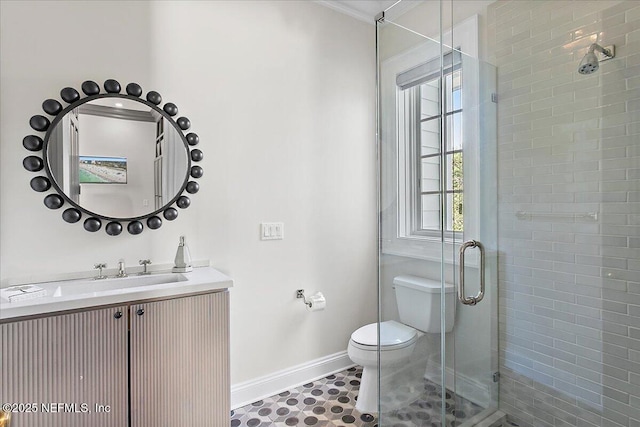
{"points": [[272, 231]]}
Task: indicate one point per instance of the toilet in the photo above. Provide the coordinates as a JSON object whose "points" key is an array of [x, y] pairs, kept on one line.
{"points": [[418, 301]]}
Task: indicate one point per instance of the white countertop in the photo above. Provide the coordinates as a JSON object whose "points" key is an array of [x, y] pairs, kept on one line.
{"points": [[85, 293]]}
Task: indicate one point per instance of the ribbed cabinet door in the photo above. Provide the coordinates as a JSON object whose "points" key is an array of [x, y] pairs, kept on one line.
{"points": [[180, 362], [72, 359]]}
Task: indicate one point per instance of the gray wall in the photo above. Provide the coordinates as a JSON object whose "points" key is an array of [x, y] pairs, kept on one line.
{"points": [[568, 144]]}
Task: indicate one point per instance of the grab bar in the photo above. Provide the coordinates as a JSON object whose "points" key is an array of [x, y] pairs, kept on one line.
{"points": [[461, 293], [593, 216]]}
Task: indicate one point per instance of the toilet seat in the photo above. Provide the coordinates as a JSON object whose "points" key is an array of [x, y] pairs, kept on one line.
{"points": [[397, 344], [393, 336]]}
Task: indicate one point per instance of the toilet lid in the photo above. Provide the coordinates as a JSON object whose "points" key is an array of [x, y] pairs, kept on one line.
{"points": [[391, 333]]}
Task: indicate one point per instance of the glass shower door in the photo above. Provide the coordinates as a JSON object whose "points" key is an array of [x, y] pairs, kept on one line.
{"points": [[471, 349], [437, 184], [409, 154]]}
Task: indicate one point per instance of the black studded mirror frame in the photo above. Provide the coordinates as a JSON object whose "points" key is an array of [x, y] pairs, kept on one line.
{"points": [[93, 221]]}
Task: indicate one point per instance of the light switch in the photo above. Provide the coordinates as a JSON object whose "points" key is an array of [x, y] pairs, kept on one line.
{"points": [[272, 231]]}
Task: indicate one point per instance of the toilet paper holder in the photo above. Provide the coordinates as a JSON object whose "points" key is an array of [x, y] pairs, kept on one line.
{"points": [[300, 294]]}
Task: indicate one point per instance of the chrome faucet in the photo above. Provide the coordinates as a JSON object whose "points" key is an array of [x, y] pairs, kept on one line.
{"points": [[100, 267], [144, 263], [121, 269]]}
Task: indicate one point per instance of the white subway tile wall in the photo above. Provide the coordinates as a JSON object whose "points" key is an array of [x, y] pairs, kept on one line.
{"points": [[569, 147]]}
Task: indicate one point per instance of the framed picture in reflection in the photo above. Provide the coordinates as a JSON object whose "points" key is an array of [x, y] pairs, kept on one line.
{"points": [[103, 170]]}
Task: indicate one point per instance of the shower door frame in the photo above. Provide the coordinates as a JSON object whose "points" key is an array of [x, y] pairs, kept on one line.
{"points": [[448, 247]]}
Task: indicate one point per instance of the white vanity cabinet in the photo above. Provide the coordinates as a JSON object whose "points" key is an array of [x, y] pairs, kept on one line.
{"points": [[143, 364]]}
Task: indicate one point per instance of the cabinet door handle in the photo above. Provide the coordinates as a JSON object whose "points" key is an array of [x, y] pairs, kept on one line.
{"points": [[140, 311], [117, 314]]}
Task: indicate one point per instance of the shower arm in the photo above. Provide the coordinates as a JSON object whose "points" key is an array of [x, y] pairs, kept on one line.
{"points": [[596, 47]]}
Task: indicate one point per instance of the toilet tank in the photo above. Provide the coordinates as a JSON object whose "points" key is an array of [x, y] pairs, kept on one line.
{"points": [[418, 302]]}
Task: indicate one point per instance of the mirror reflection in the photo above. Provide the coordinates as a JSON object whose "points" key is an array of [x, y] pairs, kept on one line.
{"points": [[117, 157]]}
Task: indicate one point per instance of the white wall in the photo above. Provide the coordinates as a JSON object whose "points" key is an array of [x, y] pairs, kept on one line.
{"points": [[425, 21], [282, 95]]}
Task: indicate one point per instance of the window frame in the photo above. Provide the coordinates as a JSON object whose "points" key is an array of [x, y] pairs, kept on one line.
{"points": [[395, 240], [417, 228]]}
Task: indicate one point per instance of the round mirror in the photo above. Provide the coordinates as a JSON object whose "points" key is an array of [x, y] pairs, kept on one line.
{"points": [[114, 158], [118, 158]]}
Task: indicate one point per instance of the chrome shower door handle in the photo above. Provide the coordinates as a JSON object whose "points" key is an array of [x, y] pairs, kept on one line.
{"points": [[461, 293]]}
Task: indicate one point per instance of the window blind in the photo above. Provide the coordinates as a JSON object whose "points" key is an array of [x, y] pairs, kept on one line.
{"points": [[429, 70]]}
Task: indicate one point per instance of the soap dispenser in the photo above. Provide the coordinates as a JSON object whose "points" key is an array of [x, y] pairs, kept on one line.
{"points": [[182, 263]]}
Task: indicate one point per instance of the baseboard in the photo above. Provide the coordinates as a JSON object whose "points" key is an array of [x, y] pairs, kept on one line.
{"points": [[468, 388], [286, 379]]}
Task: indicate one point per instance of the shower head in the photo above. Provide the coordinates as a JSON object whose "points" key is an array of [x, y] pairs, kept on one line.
{"points": [[589, 63]]}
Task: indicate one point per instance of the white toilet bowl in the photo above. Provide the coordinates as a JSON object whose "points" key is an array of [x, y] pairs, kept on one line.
{"points": [[397, 342], [418, 301]]}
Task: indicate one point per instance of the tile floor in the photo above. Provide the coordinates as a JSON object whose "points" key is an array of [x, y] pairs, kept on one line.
{"points": [[330, 402]]}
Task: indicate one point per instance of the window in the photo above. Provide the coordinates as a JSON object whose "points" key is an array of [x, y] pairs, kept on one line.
{"points": [[414, 139], [431, 149]]}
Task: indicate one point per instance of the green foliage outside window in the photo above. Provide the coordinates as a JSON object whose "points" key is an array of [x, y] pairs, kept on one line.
{"points": [[458, 195]]}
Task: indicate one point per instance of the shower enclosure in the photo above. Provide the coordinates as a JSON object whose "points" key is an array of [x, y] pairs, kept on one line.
{"points": [[511, 175]]}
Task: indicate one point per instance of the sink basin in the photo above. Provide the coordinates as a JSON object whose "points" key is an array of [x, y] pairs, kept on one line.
{"points": [[90, 286], [88, 293]]}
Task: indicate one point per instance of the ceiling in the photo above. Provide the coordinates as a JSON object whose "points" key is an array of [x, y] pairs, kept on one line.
{"points": [[366, 10]]}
